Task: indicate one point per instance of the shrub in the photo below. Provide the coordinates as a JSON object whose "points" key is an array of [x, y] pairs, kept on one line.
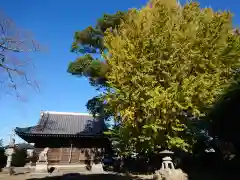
{"points": [[3, 158], [19, 158]]}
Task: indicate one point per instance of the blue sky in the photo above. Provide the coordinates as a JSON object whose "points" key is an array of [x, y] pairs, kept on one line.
{"points": [[53, 23]]}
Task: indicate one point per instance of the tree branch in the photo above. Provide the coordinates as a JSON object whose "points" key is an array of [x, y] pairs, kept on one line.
{"points": [[14, 41]]}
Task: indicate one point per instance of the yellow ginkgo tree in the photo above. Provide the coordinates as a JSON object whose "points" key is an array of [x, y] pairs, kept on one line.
{"points": [[167, 62]]}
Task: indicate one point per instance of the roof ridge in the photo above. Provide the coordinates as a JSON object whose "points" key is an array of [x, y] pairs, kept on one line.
{"points": [[66, 113]]}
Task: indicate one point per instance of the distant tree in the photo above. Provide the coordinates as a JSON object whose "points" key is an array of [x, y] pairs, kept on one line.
{"points": [[87, 42], [15, 66], [90, 41], [167, 65]]}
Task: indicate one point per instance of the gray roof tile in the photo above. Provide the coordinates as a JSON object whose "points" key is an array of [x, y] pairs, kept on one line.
{"points": [[67, 123]]}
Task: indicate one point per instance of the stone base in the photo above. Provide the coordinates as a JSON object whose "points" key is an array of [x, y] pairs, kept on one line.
{"points": [[175, 174], [30, 164], [97, 168], [41, 167], [8, 170]]}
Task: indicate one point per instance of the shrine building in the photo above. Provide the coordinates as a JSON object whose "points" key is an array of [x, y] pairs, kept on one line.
{"points": [[72, 138]]}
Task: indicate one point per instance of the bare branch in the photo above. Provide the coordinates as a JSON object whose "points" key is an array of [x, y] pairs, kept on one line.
{"points": [[15, 41]]}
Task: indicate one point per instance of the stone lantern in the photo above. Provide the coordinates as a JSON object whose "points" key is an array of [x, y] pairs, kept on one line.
{"points": [[167, 163], [10, 150], [167, 170]]}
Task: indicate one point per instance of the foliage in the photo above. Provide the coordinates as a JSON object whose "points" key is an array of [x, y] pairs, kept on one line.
{"points": [[90, 41], [2, 154], [15, 66], [19, 157], [224, 117], [87, 42], [2, 157], [167, 61]]}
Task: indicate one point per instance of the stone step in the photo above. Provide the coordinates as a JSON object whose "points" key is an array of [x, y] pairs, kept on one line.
{"points": [[96, 168], [67, 169], [35, 175], [70, 169]]}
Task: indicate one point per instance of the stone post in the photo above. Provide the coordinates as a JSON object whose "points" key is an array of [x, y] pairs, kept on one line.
{"points": [[97, 166]]}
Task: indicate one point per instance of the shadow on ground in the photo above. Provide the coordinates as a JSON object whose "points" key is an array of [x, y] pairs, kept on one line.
{"points": [[76, 176], [192, 176]]}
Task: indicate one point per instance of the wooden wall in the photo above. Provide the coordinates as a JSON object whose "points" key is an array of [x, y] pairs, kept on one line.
{"points": [[72, 151], [72, 155]]}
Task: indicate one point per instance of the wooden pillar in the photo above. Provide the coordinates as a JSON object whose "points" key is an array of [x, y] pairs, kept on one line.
{"points": [[91, 155], [70, 154], [80, 152], [60, 154]]}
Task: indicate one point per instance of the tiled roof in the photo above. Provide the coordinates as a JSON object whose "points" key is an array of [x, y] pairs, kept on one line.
{"points": [[65, 123]]}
